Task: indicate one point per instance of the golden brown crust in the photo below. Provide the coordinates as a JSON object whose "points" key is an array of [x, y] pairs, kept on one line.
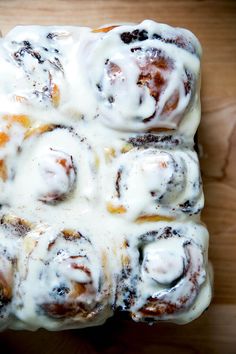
{"points": [[104, 29]]}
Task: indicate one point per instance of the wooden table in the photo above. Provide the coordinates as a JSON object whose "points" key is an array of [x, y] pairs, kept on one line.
{"points": [[214, 22]]}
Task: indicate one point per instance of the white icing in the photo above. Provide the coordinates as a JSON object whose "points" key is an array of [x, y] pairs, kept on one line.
{"points": [[164, 291], [161, 265], [71, 101], [155, 182], [130, 114], [57, 175], [67, 273]]}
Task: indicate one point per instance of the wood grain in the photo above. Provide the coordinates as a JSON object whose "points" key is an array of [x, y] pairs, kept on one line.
{"points": [[214, 22], [212, 333]]}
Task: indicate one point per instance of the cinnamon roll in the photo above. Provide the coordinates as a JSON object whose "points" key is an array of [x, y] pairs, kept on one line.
{"points": [[168, 275], [12, 131], [33, 66], [156, 67], [12, 229], [61, 167], [71, 290], [152, 184]]}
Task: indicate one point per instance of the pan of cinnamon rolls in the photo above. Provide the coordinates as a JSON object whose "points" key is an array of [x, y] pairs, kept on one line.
{"points": [[101, 190]]}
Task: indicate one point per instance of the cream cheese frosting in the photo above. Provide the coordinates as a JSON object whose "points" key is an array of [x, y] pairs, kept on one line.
{"points": [[101, 191]]}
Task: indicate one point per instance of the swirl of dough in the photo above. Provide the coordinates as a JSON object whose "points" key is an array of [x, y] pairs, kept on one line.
{"points": [[143, 82], [61, 167], [71, 288], [12, 132], [172, 272], [153, 185], [58, 174], [12, 229], [37, 58], [166, 274]]}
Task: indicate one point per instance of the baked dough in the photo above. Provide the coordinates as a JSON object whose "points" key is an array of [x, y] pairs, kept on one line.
{"points": [[101, 191]]}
